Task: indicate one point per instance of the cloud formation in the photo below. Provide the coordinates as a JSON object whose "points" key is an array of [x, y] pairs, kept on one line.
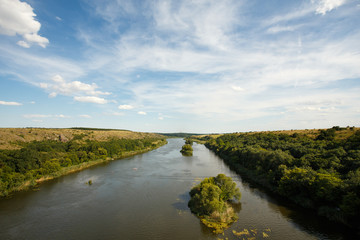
{"points": [[17, 17], [91, 99], [85, 116], [45, 116], [10, 103], [63, 87], [214, 62], [125, 107], [324, 6]]}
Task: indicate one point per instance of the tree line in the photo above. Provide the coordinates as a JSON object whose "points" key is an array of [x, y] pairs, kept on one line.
{"points": [[320, 172], [37, 159]]}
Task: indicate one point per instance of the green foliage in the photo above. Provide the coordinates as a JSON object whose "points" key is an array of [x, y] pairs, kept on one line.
{"points": [[321, 172], [179, 135], [209, 201], [187, 150], [228, 188], [328, 134], [189, 141], [212, 194], [206, 199], [44, 158]]}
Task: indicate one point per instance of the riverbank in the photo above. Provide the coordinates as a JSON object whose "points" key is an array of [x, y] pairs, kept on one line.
{"points": [[267, 182], [26, 185]]}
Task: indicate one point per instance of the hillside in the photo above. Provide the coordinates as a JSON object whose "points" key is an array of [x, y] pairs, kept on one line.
{"points": [[14, 138], [340, 133]]}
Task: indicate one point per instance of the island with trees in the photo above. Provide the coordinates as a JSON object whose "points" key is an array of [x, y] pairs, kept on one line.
{"points": [[187, 149], [211, 202], [317, 169]]}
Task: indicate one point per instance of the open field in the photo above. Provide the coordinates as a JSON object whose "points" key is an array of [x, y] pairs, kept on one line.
{"points": [[11, 138], [313, 133]]}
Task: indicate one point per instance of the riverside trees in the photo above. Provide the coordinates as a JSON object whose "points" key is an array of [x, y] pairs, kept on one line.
{"points": [[320, 171], [37, 159]]}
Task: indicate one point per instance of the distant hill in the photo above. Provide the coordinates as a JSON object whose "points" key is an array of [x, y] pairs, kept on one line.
{"points": [[11, 138], [180, 135]]}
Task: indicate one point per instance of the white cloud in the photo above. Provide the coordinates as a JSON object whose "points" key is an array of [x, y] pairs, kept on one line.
{"points": [[60, 86], [237, 88], [10, 103], [85, 116], [210, 76], [52, 95], [45, 116], [116, 114], [142, 113], [23, 44], [17, 17], [35, 38], [277, 29], [125, 107], [36, 116], [58, 18], [324, 6], [36, 67], [61, 116], [91, 99], [206, 23]]}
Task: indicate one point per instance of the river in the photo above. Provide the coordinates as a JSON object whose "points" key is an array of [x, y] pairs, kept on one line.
{"points": [[145, 197]]}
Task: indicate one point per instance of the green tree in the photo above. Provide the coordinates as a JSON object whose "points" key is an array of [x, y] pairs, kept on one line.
{"points": [[228, 188], [187, 150], [212, 194], [206, 199]]}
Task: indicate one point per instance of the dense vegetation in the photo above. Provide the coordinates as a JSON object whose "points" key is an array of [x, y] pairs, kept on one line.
{"points": [[38, 159], [179, 135], [187, 150], [209, 200], [320, 172]]}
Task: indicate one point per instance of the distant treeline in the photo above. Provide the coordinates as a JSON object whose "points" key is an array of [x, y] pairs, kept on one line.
{"points": [[321, 172], [179, 135], [42, 158], [98, 129]]}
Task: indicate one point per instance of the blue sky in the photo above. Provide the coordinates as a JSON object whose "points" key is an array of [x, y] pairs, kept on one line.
{"points": [[180, 66]]}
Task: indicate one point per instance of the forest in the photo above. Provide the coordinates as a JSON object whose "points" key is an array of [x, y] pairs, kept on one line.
{"points": [[318, 171], [38, 159]]}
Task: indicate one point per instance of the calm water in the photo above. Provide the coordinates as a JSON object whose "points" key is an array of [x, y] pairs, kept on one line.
{"points": [[145, 197]]}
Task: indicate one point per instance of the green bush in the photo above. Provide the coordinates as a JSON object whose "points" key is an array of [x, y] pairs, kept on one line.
{"points": [[187, 150]]}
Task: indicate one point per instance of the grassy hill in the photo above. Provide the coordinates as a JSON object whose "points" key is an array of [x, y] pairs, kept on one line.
{"points": [[13, 138], [340, 133]]}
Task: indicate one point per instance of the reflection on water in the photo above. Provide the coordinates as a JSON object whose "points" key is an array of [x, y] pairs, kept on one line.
{"points": [[145, 197]]}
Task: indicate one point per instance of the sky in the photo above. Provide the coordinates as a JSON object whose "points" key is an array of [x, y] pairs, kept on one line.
{"points": [[198, 66]]}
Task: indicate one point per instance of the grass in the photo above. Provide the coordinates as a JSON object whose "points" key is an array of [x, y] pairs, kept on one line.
{"points": [[11, 138], [342, 133], [219, 221]]}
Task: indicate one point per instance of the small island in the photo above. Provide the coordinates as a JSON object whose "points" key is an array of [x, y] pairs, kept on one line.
{"points": [[187, 150], [210, 201]]}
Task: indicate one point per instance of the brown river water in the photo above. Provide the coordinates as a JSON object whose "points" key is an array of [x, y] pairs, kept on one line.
{"points": [[145, 197]]}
